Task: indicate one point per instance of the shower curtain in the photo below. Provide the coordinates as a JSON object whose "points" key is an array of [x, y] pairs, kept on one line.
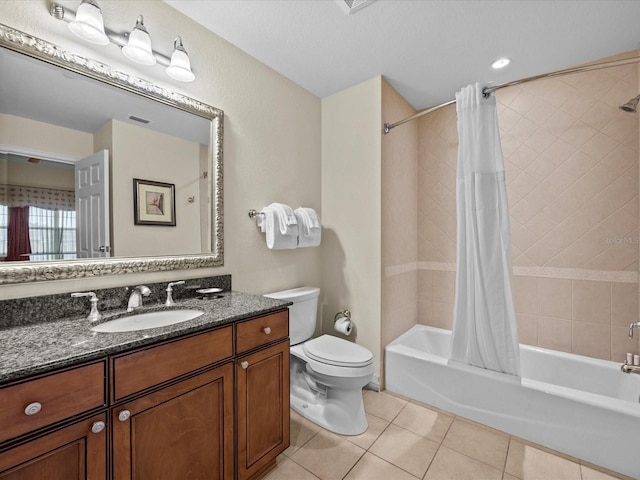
{"points": [[484, 321]]}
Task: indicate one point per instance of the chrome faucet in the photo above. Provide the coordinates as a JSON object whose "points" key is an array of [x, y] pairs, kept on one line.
{"points": [[170, 302], [631, 327], [135, 299], [94, 315]]}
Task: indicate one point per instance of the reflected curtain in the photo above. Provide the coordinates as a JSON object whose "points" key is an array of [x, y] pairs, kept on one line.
{"points": [[48, 228], [19, 244], [484, 324]]}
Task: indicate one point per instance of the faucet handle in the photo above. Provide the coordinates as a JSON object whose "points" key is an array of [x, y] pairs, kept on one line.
{"points": [[94, 314], [170, 302]]}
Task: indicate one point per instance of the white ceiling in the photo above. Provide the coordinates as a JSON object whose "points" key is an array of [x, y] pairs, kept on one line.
{"points": [[426, 49]]}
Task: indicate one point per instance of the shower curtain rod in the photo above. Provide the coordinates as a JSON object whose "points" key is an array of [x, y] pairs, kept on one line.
{"points": [[489, 90]]}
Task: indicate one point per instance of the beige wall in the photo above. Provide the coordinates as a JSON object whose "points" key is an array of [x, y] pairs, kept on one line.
{"points": [[399, 219], [145, 154], [36, 175], [571, 160], [44, 137], [271, 140], [351, 211]]}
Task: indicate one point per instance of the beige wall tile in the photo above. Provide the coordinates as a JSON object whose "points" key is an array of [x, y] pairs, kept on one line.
{"points": [[554, 297], [527, 329], [425, 285], [443, 286], [591, 339], [591, 301], [554, 333], [442, 315], [525, 294], [624, 303], [621, 343]]}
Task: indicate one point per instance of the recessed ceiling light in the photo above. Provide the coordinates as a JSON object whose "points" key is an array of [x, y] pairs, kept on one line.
{"points": [[501, 63]]}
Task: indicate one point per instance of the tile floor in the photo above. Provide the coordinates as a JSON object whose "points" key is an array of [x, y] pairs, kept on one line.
{"points": [[407, 440]]}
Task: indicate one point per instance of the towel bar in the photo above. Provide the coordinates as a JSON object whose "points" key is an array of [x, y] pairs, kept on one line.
{"points": [[253, 213]]}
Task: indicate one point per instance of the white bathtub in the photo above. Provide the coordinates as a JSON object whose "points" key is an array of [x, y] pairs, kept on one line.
{"points": [[584, 407]]}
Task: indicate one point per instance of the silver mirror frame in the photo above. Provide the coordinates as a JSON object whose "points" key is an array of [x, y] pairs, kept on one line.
{"points": [[40, 49]]}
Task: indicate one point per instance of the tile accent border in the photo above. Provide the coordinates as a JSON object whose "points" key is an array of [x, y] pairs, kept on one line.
{"points": [[547, 272]]}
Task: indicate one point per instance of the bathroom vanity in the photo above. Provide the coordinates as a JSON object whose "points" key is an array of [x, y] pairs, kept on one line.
{"points": [[208, 398]]}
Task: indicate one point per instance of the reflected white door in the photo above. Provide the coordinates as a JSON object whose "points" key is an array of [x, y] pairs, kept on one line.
{"points": [[92, 206]]}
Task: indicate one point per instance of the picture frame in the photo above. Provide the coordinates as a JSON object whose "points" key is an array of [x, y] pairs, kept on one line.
{"points": [[154, 203]]}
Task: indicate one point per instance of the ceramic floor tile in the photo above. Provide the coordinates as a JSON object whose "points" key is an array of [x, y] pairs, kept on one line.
{"points": [[366, 439], [405, 449], [328, 456], [371, 467], [424, 421], [301, 431], [474, 440], [451, 465], [529, 463], [383, 405], [506, 476], [287, 469]]}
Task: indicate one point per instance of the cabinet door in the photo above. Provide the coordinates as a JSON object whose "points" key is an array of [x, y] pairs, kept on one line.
{"points": [[75, 452], [262, 408], [182, 432]]}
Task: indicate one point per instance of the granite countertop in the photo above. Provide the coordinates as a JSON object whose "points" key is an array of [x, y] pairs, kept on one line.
{"points": [[42, 347]]}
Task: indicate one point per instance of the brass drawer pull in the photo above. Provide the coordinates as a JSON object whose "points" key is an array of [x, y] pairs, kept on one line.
{"points": [[33, 408]]}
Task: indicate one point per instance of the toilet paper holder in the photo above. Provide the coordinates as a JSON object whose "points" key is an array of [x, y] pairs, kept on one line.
{"points": [[342, 314]]}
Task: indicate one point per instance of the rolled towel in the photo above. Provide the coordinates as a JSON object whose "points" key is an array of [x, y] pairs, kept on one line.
{"points": [[309, 227], [272, 223]]}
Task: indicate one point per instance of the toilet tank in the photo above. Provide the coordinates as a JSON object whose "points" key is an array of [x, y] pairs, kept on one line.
{"points": [[302, 314]]}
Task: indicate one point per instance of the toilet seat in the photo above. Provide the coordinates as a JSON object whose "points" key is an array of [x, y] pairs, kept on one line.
{"points": [[336, 351]]}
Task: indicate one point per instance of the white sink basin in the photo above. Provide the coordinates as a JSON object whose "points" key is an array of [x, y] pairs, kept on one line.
{"points": [[143, 321]]}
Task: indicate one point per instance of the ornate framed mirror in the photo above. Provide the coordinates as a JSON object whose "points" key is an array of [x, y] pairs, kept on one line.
{"points": [[51, 75]]}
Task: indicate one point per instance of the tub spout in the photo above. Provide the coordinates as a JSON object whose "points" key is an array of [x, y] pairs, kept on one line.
{"points": [[631, 327]]}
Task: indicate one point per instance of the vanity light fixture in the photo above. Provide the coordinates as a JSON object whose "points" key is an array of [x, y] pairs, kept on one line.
{"points": [[500, 63], [138, 48], [87, 23], [180, 67]]}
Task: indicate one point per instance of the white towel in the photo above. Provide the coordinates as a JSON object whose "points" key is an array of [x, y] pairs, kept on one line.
{"points": [[279, 224], [309, 227]]}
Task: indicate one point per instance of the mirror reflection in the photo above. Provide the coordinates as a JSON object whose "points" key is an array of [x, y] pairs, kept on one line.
{"points": [[70, 147]]}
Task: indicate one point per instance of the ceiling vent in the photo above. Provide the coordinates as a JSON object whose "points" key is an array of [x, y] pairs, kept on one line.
{"points": [[353, 6]]}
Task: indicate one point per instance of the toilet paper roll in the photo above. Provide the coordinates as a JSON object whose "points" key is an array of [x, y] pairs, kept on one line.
{"points": [[343, 325]]}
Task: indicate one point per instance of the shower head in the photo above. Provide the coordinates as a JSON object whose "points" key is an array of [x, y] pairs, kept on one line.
{"points": [[631, 105]]}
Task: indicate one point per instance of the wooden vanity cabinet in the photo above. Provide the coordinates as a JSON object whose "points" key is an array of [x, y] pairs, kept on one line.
{"points": [[262, 393], [181, 432], [75, 452], [212, 405]]}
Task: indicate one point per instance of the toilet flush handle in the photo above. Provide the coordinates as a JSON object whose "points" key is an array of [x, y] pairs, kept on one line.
{"points": [[267, 330]]}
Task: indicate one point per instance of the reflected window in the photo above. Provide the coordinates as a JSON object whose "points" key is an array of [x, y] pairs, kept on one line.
{"points": [[52, 234]]}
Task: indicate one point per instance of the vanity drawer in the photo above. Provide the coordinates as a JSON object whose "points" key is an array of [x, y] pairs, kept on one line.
{"points": [[60, 395], [262, 330], [137, 371]]}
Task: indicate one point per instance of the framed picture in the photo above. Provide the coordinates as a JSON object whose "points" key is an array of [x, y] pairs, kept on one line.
{"points": [[154, 203]]}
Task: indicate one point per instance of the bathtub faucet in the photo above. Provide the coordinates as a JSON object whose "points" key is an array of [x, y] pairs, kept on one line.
{"points": [[631, 327]]}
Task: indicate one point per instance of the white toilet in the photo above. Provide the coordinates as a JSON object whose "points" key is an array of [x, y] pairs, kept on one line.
{"points": [[327, 373]]}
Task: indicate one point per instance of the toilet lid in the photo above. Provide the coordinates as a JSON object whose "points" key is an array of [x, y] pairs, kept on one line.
{"points": [[336, 351]]}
